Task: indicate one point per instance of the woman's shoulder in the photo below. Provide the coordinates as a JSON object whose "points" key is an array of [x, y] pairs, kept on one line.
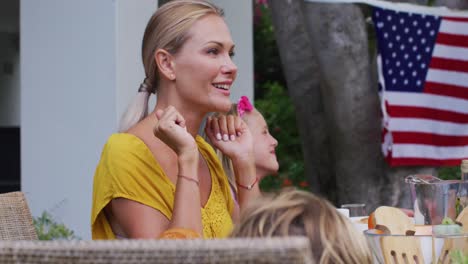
{"points": [[122, 141], [123, 144], [126, 153]]}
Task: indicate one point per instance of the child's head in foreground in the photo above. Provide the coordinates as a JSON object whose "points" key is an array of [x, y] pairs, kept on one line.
{"points": [[333, 238]]}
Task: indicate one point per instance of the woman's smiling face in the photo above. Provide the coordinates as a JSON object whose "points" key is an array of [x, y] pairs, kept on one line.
{"points": [[204, 70]]}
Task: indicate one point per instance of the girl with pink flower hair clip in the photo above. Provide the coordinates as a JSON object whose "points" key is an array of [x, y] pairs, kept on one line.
{"points": [[263, 144]]}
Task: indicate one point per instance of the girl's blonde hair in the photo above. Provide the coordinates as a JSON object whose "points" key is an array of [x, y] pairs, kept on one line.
{"points": [[167, 29], [333, 238]]}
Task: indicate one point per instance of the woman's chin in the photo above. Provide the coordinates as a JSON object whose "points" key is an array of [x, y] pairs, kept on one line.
{"points": [[222, 107]]}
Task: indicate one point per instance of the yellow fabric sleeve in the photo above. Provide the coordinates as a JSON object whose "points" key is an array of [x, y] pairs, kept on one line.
{"points": [[127, 170]]}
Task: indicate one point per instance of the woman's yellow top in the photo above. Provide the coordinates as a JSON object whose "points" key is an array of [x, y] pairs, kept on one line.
{"points": [[128, 169]]}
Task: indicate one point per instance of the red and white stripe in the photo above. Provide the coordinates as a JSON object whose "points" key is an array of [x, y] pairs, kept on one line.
{"points": [[431, 128]]}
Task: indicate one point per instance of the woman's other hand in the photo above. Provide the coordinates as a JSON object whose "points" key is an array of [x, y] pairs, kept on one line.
{"points": [[171, 129], [230, 135]]}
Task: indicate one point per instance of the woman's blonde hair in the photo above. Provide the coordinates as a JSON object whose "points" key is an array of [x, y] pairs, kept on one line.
{"points": [[167, 29], [333, 238]]}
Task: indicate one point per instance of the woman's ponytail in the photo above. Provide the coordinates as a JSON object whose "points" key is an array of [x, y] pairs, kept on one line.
{"points": [[138, 108]]}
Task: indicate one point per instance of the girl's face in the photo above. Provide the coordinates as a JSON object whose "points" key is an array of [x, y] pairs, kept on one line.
{"points": [[265, 144], [204, 70]]}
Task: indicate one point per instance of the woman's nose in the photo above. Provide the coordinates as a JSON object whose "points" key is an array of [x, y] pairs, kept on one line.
{"points": [[229, 67]]}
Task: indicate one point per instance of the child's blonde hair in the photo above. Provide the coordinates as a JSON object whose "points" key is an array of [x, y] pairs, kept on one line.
{"points": [[333, 238]]}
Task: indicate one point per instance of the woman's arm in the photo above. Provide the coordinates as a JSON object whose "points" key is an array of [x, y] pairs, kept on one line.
{"points": [[131, 219], [141, 221], [187, 206]]}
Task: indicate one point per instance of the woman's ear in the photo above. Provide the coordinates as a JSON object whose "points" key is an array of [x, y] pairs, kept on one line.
{"points": [[165, 62]]}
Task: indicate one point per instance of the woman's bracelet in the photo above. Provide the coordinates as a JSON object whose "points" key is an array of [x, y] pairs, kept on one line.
{"points": [[190, 179], [248, 187]]}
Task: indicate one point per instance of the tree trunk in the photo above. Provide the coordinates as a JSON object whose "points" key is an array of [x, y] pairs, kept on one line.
{"points": [[302, 76], [339, 40]]}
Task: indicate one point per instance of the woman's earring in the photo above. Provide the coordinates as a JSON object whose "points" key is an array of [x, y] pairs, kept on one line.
{"points": [[172, 76]]}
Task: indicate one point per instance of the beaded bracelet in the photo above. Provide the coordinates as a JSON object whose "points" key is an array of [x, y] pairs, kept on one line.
{"points": [[190, 179], [248, 187]]}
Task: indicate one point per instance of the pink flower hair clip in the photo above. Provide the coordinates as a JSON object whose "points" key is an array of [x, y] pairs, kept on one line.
{"points": [[244, 105]]}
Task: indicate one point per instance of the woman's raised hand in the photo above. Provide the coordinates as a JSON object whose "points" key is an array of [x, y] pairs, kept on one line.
{"points": [[171, 129], [230, 134]]}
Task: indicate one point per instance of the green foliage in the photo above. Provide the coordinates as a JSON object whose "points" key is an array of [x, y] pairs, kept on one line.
{"points": [[430, 2], [449, 173], [48, 229], [266, 55], [279, 113], [272, 100]]}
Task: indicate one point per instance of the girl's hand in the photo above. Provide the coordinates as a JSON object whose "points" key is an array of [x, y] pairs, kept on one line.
{"points": [[171, 129], [230, 135]]}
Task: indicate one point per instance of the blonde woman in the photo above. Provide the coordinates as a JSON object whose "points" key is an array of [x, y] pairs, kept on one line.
{"points": [[158, 174], [333, 238]]}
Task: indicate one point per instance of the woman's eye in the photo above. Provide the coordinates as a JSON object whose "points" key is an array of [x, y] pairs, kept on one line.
{"points": [[232, 54], [213, 51]]}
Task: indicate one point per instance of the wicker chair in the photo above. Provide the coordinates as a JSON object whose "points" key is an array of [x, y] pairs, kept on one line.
{"points": [[233, 250], [15, 218]]}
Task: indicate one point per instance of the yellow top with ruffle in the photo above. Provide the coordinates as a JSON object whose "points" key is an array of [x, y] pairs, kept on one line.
{"points": [[128, 169]]}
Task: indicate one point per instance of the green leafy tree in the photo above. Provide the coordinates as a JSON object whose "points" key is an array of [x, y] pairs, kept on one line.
{"points": [[278, 111], [449, 173], [48, 229], [273, 101]]}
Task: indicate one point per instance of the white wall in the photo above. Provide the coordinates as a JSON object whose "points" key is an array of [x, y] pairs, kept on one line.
{"points": [[67, 103], [80, 67], [239, 17], [131, 22]]}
